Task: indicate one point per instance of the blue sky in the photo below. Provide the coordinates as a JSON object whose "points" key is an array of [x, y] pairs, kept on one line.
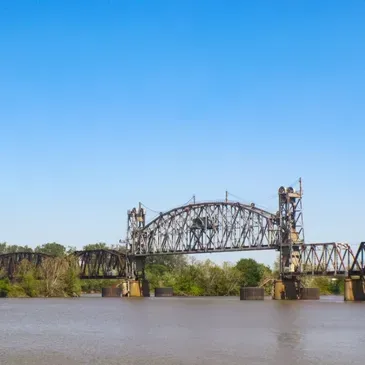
{"points": [[107, 103]]}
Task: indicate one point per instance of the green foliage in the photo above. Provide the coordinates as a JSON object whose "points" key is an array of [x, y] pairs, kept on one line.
{"points": [[4, 288], [328, 285], [30, 285], [95, 285], [52, 249], [194, 278], [5, 248], [72, 282], [95, 246], [26, 279], [251, 272], [16, 291], [59, 276]]}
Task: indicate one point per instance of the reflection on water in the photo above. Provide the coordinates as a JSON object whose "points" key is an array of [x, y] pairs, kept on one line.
{"points": [[94, 330]]}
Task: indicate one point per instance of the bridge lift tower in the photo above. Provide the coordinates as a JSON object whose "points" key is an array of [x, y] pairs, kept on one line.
{"points": [[291, 229], [136, 223], [291, 233]]}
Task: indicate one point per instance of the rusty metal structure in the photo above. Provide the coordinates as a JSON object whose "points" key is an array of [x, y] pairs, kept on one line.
{"points": [[101, 264], [220, 226], [358, 264], [326, 259], [10, 261], [291, 237], [93, 264], [226, 226], [202, 227]]}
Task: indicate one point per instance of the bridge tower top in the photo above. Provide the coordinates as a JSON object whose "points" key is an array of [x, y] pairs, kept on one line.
{"points": [[136, 221], [291, 215]]}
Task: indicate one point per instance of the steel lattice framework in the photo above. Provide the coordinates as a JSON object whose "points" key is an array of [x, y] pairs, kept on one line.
{"points": [[358, 265], [10, 261], [326, 259], [317, 259], [203, 227], [101, 264]]}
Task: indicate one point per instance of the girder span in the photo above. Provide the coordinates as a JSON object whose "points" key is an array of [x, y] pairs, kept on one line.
{"points": [[101, 264], [358, 265], [325, 259], [9, 262], [205, 227]]}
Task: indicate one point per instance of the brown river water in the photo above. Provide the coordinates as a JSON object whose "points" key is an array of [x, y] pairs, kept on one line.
{"points": [[191, 331]]}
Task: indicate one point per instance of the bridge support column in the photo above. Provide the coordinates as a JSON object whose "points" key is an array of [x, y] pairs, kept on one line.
{"points": [[286, 289], [135, 288], [354, 290], [279, 290], [145, 288], [136, 268]]}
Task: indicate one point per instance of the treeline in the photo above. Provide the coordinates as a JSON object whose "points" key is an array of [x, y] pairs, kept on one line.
{"points": [[53, 248], [192, 277], [55, 277], [188, 276]]}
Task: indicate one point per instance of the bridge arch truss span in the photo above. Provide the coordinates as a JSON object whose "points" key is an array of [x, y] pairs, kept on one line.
{"points": [[206, 227], [9, 262], [101, 264]]}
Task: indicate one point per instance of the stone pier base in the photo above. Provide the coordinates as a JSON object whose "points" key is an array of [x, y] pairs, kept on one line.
{"points": [[285, 289], [354, 290]]}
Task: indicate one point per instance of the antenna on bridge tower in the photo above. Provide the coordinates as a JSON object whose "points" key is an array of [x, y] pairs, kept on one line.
{"points": [[226, 196]]}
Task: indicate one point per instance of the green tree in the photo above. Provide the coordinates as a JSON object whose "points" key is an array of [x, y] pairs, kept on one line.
{"points": [[52, 249], [4, 287], [96, 246], [5, 248], [251, 272], [70, 250], [26, 274], [72, 283]]}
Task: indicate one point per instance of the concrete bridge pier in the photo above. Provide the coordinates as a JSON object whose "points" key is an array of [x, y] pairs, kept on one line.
{"points": [[354, 290], [290, 289], [286, 289]]}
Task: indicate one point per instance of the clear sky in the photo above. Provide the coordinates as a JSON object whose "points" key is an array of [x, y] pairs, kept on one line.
{"points": [[107, 103]]}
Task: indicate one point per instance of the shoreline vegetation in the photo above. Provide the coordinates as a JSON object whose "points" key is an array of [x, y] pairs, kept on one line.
{"points": [[58, 276]]}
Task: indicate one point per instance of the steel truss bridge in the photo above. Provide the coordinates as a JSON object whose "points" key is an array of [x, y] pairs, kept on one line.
{"points": [[93, 264], [209, 227], [317, 259]]}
